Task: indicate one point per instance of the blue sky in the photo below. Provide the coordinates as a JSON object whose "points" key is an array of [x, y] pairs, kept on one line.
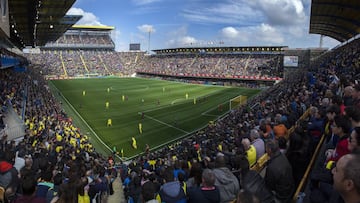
{"points": [[185, 23]]}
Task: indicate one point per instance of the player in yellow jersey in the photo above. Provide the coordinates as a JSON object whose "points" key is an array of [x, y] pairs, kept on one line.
{"points": [[109, 122], [134, 143], [107, 105], [140, 128]]}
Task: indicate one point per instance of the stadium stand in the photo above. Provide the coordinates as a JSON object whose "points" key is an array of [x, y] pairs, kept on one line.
{"points": [[309, 103]]}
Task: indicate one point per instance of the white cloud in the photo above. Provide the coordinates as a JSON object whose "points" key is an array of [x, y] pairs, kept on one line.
{"points": [[270, 34], [87, 19], [248, 13], [146, 28], [263, 34], [187, 40], [281, 12], [226, 12], [230, 32], [180, 38]]}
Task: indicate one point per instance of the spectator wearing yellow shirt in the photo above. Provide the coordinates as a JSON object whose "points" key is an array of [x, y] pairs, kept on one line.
{"points": [[250, 151]]}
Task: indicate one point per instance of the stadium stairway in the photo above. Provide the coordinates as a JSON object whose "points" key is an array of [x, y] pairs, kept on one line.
{"points": [[118, 196], [15, 128]]}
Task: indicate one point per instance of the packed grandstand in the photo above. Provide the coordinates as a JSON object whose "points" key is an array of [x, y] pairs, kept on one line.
{"points": [[279, 147]]}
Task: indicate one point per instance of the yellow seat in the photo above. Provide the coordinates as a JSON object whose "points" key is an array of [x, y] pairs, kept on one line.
{"points": [[2, 194], [263, 159]]}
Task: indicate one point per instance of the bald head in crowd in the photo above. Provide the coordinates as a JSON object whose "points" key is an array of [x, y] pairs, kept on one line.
{"points": [[346, 176]]}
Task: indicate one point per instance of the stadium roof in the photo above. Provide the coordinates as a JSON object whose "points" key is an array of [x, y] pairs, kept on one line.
{"points": [[36, 22], [92, 27], [338, 19]]}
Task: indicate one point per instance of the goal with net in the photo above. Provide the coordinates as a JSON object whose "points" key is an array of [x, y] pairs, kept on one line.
{"points": [[237, 101]]}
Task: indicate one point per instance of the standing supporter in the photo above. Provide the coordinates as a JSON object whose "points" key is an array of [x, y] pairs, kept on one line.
{"points": [[28, 186], [331, 112], [251, 181], [171, 191], [148, 192], [195, 176], [45, 184], [226, 181], [315, 125], [278, 176], [298, 155], [207, 192], [53, 193], [341, 128]]}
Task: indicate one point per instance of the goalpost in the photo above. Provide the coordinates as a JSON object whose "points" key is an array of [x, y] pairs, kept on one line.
{"points": [[237, 101]]}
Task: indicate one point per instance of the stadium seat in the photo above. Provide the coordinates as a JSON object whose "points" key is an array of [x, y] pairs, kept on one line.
{"points": [[2, 195]]}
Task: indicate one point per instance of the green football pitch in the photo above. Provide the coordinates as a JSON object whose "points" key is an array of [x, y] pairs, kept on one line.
{"points": [[166, 110]]}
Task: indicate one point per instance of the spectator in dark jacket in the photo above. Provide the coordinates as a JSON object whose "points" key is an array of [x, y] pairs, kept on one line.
{"points": [[207, 192], [45, 184], [251, 181], [298, 156], [9, 179], [28, 188], [226, 181], [171, 191], [279, 177]]}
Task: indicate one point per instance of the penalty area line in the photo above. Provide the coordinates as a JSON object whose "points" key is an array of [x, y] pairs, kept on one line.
{"points": [[171, 126]]}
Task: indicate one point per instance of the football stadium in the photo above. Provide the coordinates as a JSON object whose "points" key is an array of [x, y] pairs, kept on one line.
{"points": [[83, 122]]}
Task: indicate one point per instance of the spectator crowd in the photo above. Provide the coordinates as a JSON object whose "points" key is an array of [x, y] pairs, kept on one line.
{"points": [[55, 162]]}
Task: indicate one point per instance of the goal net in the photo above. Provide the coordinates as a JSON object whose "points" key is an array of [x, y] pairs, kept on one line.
{"points": [[237, 102]]}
